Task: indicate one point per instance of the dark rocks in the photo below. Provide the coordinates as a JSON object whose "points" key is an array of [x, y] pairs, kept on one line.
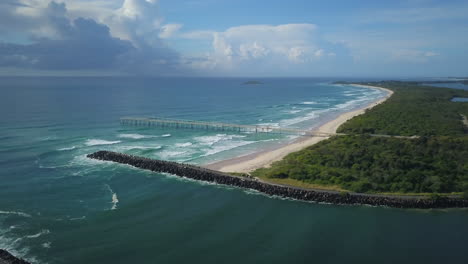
{"points": [[7, 258], [198, 173]]}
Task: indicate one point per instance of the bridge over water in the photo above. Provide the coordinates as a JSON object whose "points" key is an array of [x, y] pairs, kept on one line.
{"points": [[191, 124]]}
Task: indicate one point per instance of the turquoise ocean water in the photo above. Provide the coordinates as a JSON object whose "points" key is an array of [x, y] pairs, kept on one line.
{"points": [[57, 206]]}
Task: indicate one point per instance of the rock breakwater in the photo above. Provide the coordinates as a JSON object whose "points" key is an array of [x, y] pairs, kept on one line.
{"points": [[7, 258], [203, 174]]}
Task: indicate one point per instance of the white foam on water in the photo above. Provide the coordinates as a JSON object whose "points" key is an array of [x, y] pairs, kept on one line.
{"points": [[115, 199], [166, 135], [225, 147], [43, 232], [11, 245], [211, 140], [309, 103], [65, 149], [48, 138], [134, 136], [97, 142], [140, 147], [182, 145], [271, 124], [78, 218], [167, 154], [46, 244], [83, 160], [366, 96], [307, 117], [15, 213], [293, 111], [352, 103]]}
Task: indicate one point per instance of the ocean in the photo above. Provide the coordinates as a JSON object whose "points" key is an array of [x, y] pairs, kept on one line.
{"points": [[57, 206]]}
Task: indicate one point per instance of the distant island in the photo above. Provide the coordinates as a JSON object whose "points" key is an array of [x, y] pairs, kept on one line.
{"points": [[252, 82]]}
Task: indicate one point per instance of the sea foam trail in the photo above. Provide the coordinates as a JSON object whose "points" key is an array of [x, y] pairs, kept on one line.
{"points": [[65, 149], [182, 145], [96, 142], [134, 136], [43, 232], [115, 199], [225, 147], [15, 213], [141, 147]]}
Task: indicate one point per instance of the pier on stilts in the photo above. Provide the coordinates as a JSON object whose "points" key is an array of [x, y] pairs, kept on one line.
{"points": [[191, 124]]}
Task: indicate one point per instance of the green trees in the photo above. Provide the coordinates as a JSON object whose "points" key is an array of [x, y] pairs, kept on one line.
{"points": [[434, 162], [412, 110], [371, 164]]}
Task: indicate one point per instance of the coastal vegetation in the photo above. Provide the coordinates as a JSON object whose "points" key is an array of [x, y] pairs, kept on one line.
{"points": [[368, 160], [412, 110], [362, 163]]}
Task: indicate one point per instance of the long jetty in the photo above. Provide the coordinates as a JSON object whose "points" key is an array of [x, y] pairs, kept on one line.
{"points": [[191, 124], [203, 174]]}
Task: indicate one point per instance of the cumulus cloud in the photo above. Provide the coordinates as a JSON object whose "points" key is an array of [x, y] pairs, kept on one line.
{"points": [[124, 38], [80, 44], [169, 30], [237, 46]]}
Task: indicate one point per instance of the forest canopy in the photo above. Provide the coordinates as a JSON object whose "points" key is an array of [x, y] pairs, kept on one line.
{"points": [[435, 161]]}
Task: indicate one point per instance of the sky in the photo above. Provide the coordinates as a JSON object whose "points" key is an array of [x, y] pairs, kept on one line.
{"points": [[234, 38]]}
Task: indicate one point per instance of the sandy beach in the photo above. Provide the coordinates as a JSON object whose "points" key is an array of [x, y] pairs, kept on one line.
{"points": [[265, 158]]}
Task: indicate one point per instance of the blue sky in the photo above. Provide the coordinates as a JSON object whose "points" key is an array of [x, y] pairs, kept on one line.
{"points": [[405, 38]]}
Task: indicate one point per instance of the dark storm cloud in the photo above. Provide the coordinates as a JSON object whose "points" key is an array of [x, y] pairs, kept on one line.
{"points": [[84, 44]]}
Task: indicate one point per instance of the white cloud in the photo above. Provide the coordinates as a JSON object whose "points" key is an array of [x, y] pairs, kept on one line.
{"points": [[137, 21], [319, 53], [197, 35], [285, 44], [252, 51], [431, 54], [169, 30]]}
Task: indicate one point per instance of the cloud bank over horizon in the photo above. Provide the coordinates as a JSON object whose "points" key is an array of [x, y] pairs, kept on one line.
{"points": [[132, 37]]}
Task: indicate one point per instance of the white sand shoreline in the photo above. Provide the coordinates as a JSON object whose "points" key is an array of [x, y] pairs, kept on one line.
{"points": [[264, 158]]}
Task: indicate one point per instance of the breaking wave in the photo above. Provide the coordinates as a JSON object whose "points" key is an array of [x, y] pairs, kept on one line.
{"points": [[15, 213], [96, 142]]}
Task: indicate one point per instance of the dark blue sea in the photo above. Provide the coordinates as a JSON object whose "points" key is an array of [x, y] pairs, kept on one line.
{"points": [[57, 206]]}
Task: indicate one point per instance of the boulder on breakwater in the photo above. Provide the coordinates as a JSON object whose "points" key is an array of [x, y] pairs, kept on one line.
{"points": [[203, 174], [7, 258]]}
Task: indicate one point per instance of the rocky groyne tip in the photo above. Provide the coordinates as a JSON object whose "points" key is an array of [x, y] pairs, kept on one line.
{"points": [[7, 258]]}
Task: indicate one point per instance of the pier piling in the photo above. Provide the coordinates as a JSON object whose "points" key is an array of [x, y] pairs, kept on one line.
{"points": [[178, 124]]}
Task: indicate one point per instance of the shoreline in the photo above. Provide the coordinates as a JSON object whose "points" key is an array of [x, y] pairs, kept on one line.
{"points": [[264, 158], [277, 190]]}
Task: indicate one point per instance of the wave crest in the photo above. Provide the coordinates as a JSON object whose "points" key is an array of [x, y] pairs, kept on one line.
{"points": [[96, 142]]}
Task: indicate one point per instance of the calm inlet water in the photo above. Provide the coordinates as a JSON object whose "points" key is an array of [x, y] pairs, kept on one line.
{"points": [[57, 206]]}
